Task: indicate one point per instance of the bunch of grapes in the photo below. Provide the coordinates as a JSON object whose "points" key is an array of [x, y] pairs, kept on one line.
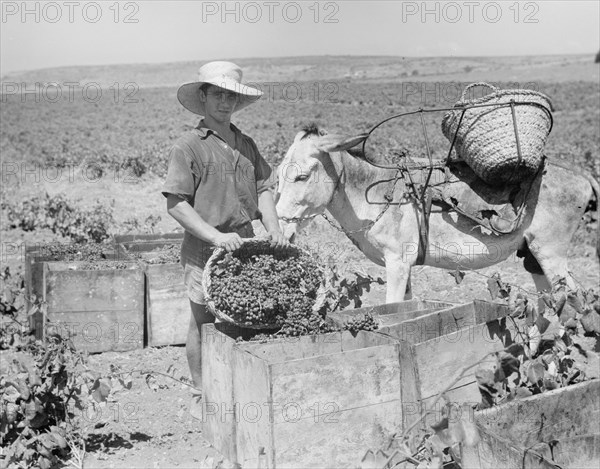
{"points": [[266, 287], [365, 323], [299, 323], [74, 251], [162, 255], [103, 265]]}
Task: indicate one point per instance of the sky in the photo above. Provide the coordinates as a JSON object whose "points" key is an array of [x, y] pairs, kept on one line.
{"points": [[47, 34]]}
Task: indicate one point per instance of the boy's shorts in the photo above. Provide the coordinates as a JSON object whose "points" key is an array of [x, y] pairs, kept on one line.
{"points": [[192, 278], [192, 272]]}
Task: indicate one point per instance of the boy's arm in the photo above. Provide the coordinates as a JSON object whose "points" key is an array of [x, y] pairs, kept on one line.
{"points": [[192, 222], [270, 220]]}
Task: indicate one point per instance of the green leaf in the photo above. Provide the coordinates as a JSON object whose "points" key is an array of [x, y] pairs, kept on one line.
{"points": [[552, 332], [458, 276], [535, 372], [11, 393], [550, 383], [34, 378], [509, 364], [57, 434], [572, 323], [530, 314], [100, 390], [516, 350], [523, 392], [542, 323], [560, 303], [47, 440], [23, 389], [487, 387], [591, 322], [44, 463], [518, 310], [570, 309], [152, 383], [493, 288]]}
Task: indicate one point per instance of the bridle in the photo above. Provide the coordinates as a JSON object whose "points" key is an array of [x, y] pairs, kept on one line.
{"points": [[388, 198]]}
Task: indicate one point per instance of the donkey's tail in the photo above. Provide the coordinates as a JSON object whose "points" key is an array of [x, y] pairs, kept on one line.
{"points": [[596, 189]]}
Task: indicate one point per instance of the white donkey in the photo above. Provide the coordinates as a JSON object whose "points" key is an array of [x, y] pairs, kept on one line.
{"points": [[318, 174]]}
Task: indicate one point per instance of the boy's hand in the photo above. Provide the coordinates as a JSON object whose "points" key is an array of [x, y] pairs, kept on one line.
{"points": [[229, 241], [277, 239]]}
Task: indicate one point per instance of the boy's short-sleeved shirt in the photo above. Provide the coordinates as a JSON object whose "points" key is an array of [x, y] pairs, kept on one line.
{"points": [[220, 183]]}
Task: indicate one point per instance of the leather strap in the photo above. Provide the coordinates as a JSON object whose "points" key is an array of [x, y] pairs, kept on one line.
{"points": [[426, 200]]}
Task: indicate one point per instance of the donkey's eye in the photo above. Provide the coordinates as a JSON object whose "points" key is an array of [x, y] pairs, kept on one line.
{"points": [[301, 177]]}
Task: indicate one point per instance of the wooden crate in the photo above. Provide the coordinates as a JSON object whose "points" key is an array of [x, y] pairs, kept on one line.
{"points": [[35, 256], [304, 402], [102, 309], [561, 427], [167, 304], [435, 347]]}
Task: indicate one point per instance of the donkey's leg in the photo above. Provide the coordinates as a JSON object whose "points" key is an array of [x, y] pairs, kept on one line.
{"points": [[398, 277], [552, 260], [408, 295], [533, 267], [561, 202], [541, 285]]}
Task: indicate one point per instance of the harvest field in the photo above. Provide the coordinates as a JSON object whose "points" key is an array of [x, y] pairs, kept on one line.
{"points": [[86, 169]]}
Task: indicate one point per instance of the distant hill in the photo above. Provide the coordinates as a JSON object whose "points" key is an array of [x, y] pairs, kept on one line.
{"points": [[312, 68]]}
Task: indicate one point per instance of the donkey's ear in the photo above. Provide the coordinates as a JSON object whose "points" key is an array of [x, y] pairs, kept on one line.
{"points": [[333, 142], [299, 135]]}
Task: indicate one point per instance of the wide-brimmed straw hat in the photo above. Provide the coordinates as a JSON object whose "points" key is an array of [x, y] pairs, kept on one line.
{"points": [[226, 75]]}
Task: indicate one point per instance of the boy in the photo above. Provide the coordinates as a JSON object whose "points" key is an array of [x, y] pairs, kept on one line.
{"points": [[216, 184]]}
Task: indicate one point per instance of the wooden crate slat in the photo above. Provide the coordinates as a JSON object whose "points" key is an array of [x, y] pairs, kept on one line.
{"points": [[167, 305], [410, 384], [295, 348], [581, 452], [101, 331], [102, 309], [217, 390], [334, 439], [254, 411], [148, 237], [362, 339], [390, 313], [91, 290], [334, 379], [441, 360]]}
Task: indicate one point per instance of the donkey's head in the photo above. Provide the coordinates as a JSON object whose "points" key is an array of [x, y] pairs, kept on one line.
{"points": [[308, 176]]}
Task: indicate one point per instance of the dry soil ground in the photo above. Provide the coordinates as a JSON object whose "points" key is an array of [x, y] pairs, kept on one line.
{"points": [[143, 428]]}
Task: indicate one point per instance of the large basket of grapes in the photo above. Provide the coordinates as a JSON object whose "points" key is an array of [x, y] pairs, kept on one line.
{"points": [[261, 287]]}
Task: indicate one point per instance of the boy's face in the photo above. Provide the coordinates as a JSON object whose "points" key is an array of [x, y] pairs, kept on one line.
{"points": [[219, 103]]}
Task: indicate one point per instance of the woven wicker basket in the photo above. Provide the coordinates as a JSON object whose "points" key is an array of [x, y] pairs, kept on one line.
{"points": [[486, 138], [251, 246]]}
